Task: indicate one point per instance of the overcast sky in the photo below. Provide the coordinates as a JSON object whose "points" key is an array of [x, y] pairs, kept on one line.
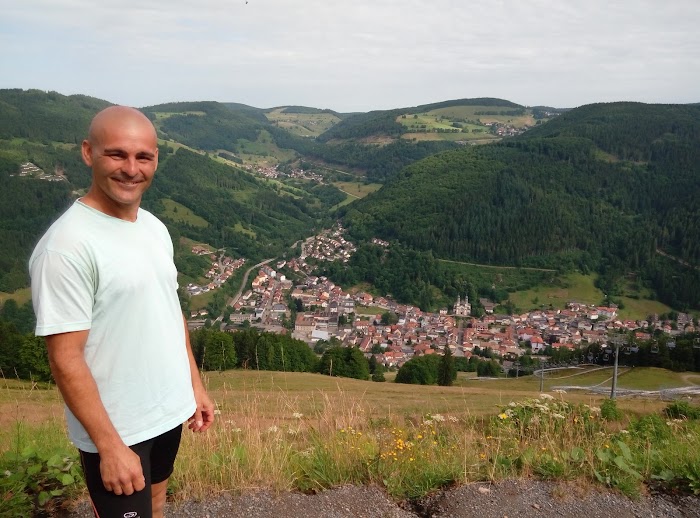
{"points": [[354, 55]]}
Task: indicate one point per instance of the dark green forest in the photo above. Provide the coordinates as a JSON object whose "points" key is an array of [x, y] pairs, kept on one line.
{"points": [[563, 200]]}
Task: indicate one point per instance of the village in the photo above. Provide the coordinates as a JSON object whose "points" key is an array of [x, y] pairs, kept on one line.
{"points": [[394, 333]]}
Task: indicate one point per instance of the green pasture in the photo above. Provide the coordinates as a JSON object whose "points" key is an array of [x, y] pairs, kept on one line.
{"points": [[20, 296], [573, 287], [576, 287], [263, 151], [303, 124], [238, 227], [358, 189], [178, 212], [166, 115]]}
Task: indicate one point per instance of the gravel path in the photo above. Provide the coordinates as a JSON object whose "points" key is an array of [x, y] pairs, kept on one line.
{"points": [[507, 499]]}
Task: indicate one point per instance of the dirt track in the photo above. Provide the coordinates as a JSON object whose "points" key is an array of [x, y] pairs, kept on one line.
{"points": [[513, 498]]}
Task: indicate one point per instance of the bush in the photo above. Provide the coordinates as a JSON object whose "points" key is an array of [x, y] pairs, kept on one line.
{"points": [[609, 410], [682, 410]]}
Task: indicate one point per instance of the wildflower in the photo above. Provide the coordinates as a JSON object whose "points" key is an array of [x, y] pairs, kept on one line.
{"points": [[595, 409], [625, 432], [509, 412], [217, 411], [342, 430], [419, 436], [558, 416], [297, 415], [607, 446], [547, 397], [512, 404], [236, 430], [453, 419], [482, 456], [559, 391], [503, 416], [411, 459], [292, 431], [273, 429], [438, 417], [8, 473], [489, 437]]}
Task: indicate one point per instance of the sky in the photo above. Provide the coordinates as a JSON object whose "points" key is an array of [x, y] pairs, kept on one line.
{"points": [[354, 55]]}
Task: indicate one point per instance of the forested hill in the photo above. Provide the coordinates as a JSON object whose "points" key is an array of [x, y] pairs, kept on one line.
{"points": [[41, 116], [602, 187], [383, 122]]}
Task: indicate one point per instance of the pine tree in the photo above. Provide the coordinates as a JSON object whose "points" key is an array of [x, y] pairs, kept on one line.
{"points": [[447, 371]]}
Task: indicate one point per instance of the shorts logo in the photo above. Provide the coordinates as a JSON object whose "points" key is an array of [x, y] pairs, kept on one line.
{"points": [[131, 514]]}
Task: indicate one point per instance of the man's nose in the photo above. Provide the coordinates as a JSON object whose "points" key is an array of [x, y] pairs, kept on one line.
{"points": [[130, 166]]}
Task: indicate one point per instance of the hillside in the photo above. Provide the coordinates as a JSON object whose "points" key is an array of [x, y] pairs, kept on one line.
{"points": [[600, 188]]}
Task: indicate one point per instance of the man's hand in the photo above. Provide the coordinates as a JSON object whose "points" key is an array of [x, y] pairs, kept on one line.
{"points": [[203, 416], [121, 471]]}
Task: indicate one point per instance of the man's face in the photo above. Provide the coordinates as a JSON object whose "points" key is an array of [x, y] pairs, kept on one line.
{"points": [[123, 157]]}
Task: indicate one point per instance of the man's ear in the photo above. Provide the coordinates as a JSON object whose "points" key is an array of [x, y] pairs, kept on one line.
{"points": [[86, 152]]}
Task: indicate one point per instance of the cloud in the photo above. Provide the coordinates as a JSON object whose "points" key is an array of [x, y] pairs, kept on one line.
{"points": [[355, 55]]}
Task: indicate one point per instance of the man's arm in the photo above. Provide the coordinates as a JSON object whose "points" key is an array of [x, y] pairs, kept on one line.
{"points": [[120, 467], [203, 416]]}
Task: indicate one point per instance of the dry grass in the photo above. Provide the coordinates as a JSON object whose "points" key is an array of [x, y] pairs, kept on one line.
{"points": [[309, 432]]}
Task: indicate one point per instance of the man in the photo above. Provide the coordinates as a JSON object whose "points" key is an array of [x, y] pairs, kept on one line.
{"points": [[104, 288]]}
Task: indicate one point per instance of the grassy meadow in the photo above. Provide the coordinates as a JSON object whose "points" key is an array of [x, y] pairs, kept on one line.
{"points": [[178, 212], [297, 431], [20, 296], [303, 124]]}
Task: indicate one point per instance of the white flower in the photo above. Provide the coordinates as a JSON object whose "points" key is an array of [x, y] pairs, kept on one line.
{"points": [[624, 432], [292, 431], [8, 473], [427, 422], [559, 391], [297, 415], [438, 417], [509, 412], [558, 416], [453, 419], [595, 409], [546, 396], [273, 429], [512, 404], [217, 412]]}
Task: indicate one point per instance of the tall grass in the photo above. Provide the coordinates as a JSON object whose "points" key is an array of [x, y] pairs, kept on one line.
{"points": [[284, 434]]}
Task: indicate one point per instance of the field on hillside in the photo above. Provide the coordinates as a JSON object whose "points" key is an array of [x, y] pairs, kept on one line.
{"points": [[303, 124], [576, 287], [20, 296], [263, 151], [177, 212]]}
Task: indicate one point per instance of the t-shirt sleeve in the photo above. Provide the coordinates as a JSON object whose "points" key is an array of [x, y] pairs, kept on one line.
{"points": [[62, 294]]}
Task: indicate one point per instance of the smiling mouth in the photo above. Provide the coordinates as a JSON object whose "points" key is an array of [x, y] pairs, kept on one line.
{"points": [[127, 182]]}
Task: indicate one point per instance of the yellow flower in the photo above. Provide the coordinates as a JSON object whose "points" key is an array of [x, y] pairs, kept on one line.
{"points": [[503, 416], [482, 456], [419, 436]]}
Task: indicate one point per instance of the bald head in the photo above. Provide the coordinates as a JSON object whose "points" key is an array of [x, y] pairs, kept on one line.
{"points": [[115, 117], [122, 151]]}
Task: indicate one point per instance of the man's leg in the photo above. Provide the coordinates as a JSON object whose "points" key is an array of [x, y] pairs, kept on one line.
{"points": [[108, 505], [165, 448], [158, 492]]}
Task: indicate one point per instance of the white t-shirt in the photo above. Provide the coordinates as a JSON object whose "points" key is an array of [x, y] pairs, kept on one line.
{"points": [[117, 279]]}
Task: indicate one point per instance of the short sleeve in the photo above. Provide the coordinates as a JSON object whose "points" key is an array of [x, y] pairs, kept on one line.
{"points": [[62, 294]]}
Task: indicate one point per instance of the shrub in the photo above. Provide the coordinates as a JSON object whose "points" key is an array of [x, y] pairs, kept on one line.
{"points": [[682, 410], [609, 410]]}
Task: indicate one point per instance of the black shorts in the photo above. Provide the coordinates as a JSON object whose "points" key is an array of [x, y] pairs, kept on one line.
{"points": [[157, 461]]}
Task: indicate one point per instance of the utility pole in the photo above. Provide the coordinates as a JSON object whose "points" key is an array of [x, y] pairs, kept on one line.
{"points": [[616, 341]]}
